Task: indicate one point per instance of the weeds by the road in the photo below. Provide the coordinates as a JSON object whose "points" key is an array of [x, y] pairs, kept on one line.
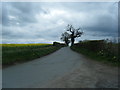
{"points": [[99, 50], [12, 53]]}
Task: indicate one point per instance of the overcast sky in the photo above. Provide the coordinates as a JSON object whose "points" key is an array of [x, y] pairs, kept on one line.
{"points": [[38, 22]]}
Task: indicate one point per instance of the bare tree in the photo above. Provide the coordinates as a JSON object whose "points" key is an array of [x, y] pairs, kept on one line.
{"points": [[74, 33], [65, 37]]}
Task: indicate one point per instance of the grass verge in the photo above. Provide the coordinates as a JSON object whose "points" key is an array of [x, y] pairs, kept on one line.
{"points": [[12, 54], [95, 56]]}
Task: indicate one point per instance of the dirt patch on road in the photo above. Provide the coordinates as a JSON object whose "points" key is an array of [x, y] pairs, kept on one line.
{"points": [[88, 75]]}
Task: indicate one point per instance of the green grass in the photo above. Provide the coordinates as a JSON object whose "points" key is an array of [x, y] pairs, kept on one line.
{"points": [[95, 56], [12, 53]]}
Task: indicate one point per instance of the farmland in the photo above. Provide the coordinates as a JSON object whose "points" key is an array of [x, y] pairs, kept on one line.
{"points": [[100, 50], [17, 53]]}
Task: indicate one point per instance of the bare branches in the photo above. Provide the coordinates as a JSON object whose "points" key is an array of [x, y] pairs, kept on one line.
{"points": [[74, 33], [78, 33], [65, 37], [70, 28]]}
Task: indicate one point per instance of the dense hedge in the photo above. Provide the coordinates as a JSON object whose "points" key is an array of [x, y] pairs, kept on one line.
{"points": [[100, 48], [94, 45]]}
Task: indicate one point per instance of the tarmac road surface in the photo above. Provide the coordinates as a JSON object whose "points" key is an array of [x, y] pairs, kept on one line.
{"points": [[63, 68]]}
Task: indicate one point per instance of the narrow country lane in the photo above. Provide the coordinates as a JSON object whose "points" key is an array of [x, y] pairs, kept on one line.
{"points": [[63, 68]]}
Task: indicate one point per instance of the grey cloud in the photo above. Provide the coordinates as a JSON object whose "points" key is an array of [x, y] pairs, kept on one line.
{"points": [[5, 18], [46, 21], [23, 12], [105, 26]]}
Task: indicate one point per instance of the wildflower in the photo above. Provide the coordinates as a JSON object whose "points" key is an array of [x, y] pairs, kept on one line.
{"points": [[114, 57]]}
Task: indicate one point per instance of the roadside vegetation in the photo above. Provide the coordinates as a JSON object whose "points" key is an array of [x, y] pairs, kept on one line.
{"points": [[16, 53], [100, 50]]}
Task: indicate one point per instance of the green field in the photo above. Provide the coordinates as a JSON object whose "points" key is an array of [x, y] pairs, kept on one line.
{"points": [[100, 51], [17, 53]]}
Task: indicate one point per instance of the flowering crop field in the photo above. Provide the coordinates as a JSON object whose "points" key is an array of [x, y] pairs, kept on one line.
{"points": [[14, 53]]}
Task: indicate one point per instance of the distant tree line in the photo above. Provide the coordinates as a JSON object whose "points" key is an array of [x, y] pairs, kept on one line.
{"points": [[58, 44]]}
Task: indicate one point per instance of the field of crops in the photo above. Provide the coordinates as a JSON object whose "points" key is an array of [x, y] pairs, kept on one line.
{"points": [[100, 50], [14, 53]]}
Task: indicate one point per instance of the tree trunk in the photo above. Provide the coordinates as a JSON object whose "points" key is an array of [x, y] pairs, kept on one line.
{"points": [[66, 42], [72, 41]]}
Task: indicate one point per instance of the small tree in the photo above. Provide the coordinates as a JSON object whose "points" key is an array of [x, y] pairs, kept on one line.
{"points": [[65, 37], [74, 33]]}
